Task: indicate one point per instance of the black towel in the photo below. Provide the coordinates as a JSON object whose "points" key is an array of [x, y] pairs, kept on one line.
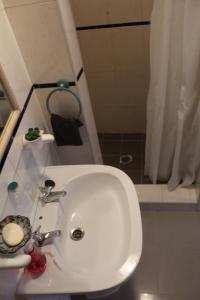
{"points": [[66, 131]]}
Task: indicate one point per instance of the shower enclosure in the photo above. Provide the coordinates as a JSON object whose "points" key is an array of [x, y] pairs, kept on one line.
{"points": [[114, 41], [114, 38]]}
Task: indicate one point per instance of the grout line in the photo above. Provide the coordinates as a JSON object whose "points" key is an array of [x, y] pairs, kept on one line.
{"points": [[120, 153], [38, 2]]}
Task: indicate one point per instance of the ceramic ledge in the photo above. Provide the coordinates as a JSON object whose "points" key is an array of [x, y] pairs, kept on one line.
{"points": [[158, 193]]}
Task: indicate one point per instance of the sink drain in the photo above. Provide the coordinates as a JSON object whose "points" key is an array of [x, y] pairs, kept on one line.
{"points": [[126, 159], [77, 234]]}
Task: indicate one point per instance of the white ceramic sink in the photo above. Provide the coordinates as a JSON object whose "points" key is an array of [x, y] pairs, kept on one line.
{"points": [[102, 201]]}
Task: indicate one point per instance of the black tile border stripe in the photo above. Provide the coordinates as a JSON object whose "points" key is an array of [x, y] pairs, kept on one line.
{"points": [[79, 74], [33, 87], [49, 85], [114, 25]]}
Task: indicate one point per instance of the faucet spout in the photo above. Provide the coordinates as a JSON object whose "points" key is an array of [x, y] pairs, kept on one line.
{"points": [[42, 239], [47, 195], [53, 196]]}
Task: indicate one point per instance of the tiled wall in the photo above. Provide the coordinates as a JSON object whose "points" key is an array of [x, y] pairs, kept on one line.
{"points": [[39, 33], [116, 61], [24, 165]]}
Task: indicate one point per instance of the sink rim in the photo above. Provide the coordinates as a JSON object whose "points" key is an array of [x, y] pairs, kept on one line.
{"points": [[122, 274]]}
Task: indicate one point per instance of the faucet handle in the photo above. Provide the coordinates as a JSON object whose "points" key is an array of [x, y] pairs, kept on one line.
{"points": [[49, 183], [48, 186]]}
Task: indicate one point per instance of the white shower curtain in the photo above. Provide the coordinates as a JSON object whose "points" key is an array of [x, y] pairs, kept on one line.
{"points": [[173, 108]]}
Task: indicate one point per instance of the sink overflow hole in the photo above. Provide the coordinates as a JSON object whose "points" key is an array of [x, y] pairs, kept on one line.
{"points": [[77, 234], [126, 159]]}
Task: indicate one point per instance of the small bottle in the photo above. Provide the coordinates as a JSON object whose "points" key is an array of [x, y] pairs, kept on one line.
{"points": [[38, 259]]}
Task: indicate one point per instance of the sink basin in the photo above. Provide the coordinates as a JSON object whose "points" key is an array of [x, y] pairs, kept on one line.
{"points": [[101, 239]]}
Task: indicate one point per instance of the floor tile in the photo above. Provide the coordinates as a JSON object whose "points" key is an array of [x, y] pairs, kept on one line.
{"points": [[170, 264], [179, 273], [150, 229], [100, 136], [111, 147], [179, 230], [145, 278], [133, 136], [131, 147], [128, 294], [112, 136], [136, 164], [143, 151], [111, 160], [145, 179], [135, 175]]}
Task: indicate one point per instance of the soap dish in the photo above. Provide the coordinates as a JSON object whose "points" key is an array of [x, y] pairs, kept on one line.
{"points": [[24, 223]]}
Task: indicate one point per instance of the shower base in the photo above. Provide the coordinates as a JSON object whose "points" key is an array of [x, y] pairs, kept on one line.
{"points": [[127, 152]]}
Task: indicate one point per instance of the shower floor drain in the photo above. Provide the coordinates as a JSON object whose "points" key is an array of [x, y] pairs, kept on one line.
{"points": [[126, 159], [77, 234]]}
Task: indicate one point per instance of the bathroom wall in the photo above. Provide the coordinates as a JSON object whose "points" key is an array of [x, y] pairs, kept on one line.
{"points": [[39, 32], [24, 165], [116, 61]]}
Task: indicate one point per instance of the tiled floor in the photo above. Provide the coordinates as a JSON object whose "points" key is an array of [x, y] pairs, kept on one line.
{"points": [[170, 265], [115, 145]]}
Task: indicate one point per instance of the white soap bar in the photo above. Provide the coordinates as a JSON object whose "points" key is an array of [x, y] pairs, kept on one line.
{"points": [[12, 234]]}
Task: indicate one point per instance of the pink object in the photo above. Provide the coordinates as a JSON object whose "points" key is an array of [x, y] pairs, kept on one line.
{"points": [[38, 259]]}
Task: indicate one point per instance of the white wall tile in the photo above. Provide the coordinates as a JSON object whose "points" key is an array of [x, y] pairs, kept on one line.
{"points": [[73, 46], [97, 50], [114, 92], [121, 11], [180, 195], [149, 193], [119, 58], [117, 68], [24, 164], [127, 48], [106, 11], [119, 120], [94, 148], [89, 12], [159, 193], [45, 54], [102, 87], [11, 3], [19, 202], [1, 5], [147, 6], [6, 177], [32, 118], [132, 89], [14, 68]]}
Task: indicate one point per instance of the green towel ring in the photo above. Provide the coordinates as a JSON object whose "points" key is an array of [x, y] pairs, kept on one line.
{"points": [[63, 89]]}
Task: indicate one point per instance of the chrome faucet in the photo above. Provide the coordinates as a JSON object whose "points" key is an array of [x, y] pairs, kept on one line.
{"points": [[42, 239], [47, 195]]}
